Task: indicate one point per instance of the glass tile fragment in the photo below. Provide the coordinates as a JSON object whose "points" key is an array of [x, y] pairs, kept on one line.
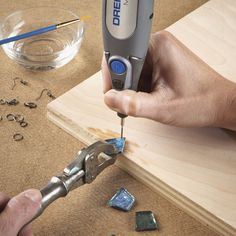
{"points": [[119, 144], [145, 221], [122, 200]]}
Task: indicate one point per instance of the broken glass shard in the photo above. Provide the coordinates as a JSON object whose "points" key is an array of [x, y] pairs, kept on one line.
{"points": [[122, 200], [145, 220], [119, 144]]}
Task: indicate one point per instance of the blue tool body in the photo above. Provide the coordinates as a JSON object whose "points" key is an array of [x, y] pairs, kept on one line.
{"points": [[126, 34]]}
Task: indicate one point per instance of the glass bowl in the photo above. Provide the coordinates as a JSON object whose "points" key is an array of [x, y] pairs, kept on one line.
{"points": [[46, 51]]}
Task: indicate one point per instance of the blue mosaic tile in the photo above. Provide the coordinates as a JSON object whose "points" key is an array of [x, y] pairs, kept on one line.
{"points": [[122, 200], [145, 221], [119, 144]]}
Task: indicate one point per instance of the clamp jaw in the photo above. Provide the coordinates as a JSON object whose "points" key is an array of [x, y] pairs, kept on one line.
{"points": [[88, 164]]}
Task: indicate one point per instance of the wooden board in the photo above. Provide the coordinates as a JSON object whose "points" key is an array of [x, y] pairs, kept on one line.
{"points": [[194, 168]]}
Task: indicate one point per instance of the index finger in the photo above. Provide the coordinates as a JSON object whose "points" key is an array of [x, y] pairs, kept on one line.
{"points": [[106, 76]]}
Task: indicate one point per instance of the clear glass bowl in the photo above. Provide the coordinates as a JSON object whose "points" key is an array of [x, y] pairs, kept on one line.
{"points": [[46, 51]]}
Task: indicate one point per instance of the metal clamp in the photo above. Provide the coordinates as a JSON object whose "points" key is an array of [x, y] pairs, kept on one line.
{"points": [[93, 160], [88, 164]]}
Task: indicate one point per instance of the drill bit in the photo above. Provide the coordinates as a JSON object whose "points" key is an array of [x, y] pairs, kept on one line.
{"points": [[122, 120]]}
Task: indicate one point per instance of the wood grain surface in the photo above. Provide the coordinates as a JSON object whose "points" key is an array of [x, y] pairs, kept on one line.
{"points": [[194, 168]]}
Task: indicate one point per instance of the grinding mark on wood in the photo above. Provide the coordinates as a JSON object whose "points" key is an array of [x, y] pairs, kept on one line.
{"points": [[103, 134], [130, 147]]}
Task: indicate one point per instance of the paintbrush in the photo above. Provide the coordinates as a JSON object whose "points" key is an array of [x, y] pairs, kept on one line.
{"points": [[41, 30]]}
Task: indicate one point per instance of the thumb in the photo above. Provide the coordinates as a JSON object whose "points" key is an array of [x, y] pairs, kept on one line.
{"points": [[131, 103], [19, 211]]}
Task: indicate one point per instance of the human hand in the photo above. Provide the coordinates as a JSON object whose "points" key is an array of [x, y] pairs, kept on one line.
{"points": [[18, 211], [176, 88]]}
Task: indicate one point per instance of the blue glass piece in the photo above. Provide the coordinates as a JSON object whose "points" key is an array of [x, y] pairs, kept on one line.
{"points": [[119, 144], [145, 220], [122, 200]]}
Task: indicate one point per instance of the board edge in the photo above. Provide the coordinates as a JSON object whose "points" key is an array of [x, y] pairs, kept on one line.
{"points": [[191, 208]]}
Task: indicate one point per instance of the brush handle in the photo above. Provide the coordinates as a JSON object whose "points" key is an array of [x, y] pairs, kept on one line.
{"points": [[29, 34]]}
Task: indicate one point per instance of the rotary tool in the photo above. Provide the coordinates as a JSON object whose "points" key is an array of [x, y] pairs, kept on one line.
{"points": [[126, 34]]}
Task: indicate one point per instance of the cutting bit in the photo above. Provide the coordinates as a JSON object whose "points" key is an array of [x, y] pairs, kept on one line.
{"points": [[122, 123], [84, 169]]}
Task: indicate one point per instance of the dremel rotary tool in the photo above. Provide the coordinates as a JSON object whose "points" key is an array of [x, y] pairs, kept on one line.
{"points": [[126, 34]]}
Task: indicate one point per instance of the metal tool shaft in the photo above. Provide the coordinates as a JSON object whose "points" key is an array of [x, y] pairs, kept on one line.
{"points": [[122, 127], [56, 188], [52, 191], [122, 123]]}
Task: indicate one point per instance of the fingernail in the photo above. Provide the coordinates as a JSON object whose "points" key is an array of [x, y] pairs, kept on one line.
{"points": [[112, 92], [110, 98], [33, 194]]}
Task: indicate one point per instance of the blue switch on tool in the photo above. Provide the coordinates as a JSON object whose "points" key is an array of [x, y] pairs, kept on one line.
{"points": [[118, 67]]}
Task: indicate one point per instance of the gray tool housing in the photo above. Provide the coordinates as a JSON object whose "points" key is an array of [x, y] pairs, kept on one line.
{"points": [[126, 34]]}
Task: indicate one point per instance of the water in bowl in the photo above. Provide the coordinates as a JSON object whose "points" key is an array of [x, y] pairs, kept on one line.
{"points": [[47, 51]]}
